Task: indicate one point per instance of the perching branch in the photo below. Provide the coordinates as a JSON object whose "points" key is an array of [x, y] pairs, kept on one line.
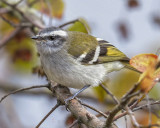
{"points": [[75, 107]]}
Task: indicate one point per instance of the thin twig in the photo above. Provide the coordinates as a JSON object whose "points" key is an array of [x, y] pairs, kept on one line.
{"points": [[8, 21], [32, 3], [125, 113], [110, 93], [23, 15], [22, 24], [50, 12], [149, 110], [67, 23], [125, 118], [23, 89], [145, 105], [103, 114], [135, 109], [73, 124], [72, 22], [122, 104], [54, 108], [133, 119], [4, 10], [134, 94], [7, 38], [150, 126], [18, 3], [131, 90]]}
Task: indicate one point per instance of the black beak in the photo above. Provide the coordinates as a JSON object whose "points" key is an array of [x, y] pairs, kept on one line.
{"points": [[34, 37]]}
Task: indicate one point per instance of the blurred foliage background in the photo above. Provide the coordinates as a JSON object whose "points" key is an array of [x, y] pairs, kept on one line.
{"points": [[133, 26]]}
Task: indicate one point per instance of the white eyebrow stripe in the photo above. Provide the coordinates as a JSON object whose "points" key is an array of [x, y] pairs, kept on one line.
{"points": [[96, 55], [59, 33], [45, 34]]}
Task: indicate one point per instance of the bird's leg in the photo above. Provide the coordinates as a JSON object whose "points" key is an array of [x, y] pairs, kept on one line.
{"points": [[79, 91]]}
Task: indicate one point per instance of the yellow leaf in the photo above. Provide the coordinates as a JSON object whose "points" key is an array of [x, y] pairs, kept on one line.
{"points": [[57, 8], [53, 8]]}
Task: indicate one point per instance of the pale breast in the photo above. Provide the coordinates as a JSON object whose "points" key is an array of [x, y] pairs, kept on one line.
{"points": [[65, 71]]}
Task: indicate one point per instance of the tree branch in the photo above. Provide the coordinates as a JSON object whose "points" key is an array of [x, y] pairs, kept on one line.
{"points": [[84, 116], [121, 105]]}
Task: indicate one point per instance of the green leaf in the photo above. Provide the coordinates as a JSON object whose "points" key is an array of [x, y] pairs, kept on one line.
{"points": [[80, 26]]}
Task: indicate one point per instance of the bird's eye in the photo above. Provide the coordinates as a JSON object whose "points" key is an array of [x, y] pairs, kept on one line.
{"points": [[51, 37]]}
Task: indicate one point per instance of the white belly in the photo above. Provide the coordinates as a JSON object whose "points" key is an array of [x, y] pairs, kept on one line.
{"points": [[72, 74]]}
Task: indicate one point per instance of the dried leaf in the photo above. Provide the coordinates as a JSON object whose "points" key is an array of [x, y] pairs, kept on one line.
{"points": [[23, 54], [149, 65], [133, 3], [123, 30], [142, 61], [156, 20], [69, 120], [39, 70], [57, 8], [147, 79]]}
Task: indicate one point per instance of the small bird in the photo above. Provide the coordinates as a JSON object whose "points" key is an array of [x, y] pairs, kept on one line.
{"points": [[77, 60]]}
